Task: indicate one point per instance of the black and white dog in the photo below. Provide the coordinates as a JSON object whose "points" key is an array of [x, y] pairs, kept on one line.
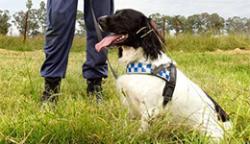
{"points": [[152, 84]]}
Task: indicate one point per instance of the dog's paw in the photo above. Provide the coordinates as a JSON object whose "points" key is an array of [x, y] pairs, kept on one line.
{"points": [[144, 126]]}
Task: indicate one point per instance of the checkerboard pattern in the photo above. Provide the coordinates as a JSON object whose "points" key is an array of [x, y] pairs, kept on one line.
{"points": [[141, 68], [165, 74]]}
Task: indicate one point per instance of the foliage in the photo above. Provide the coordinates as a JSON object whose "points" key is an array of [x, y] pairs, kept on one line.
{"points": [[216, 23], [31, 16], [19, 21], [36, 19], [4, 22], [237, 24], [80, 22], [177, 23], [195, 24], [202, 23], [41, 16]]}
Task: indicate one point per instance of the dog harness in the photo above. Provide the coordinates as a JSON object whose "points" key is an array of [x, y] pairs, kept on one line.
{"points": [[167, 72]]}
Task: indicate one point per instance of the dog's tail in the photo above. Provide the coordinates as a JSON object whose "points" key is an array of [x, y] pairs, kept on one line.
{"points": [[222, 115]]}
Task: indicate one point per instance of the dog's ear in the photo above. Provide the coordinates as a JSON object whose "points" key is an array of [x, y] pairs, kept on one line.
{"points": [[152, 46]]}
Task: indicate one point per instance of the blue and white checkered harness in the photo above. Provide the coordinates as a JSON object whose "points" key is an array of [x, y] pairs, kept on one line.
{"points": [[142, 68]]}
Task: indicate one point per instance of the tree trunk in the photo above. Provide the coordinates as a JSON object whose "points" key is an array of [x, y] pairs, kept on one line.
{"points": [[25, 26]]}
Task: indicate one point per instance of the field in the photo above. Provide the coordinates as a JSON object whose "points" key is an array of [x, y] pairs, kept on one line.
{"points": [[224, 74]]}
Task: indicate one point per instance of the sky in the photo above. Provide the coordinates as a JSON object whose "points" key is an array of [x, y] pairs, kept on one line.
{"points": [[225, 8]]}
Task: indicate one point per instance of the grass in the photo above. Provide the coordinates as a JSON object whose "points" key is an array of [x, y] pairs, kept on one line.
{"points": [[183, 42], [35, 43], [77, 119], [200, 43]]}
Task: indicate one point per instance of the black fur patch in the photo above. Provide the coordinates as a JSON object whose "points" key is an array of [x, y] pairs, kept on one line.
{"points": [[222, 115], [120, 52]]}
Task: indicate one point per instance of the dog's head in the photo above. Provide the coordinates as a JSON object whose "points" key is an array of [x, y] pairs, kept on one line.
{"points": [[133, 29]]}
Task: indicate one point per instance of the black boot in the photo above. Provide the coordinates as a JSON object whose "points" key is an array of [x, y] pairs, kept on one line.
{"points": [[51, 89], [95, 89]]}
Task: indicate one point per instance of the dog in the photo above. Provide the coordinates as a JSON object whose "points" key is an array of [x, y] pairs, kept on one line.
{"points": [[147, 93]]}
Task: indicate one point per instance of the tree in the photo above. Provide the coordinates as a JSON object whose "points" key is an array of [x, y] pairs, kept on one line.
{"points": [[31, 15], [204, 22], [177, 23], [19, 21], [157, 18], [247, 25], [4, 22], [80, 22], [190, 23], [33, 23], [235, 25], [41, 16], [168, 23], [216, 23], [29, 4], [162, 22], [194, 24]]}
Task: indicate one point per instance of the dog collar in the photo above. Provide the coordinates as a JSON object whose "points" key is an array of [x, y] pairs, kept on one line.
{"points": [[142, 68], [145, 34]]}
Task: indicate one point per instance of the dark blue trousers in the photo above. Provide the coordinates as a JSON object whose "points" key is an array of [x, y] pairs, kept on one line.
{"points": [[61, 18]]}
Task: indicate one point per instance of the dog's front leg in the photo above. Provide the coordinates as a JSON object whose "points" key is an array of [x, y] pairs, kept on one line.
{"points": [[147, 115], [144, 122]]}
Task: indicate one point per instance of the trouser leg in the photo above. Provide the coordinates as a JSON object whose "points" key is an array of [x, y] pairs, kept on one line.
{"points": [[61, 16], [95, 66]]}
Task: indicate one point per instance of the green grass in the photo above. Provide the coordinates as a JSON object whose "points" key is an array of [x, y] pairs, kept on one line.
{"points": [[35, 43], [200, 43], [183, 42], [77, 119]]}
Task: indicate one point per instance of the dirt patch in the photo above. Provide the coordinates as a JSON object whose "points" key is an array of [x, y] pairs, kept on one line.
{"points": [[234, 51]]}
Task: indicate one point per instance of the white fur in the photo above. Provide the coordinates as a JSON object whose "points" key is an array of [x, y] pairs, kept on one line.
{"points": [[189, 104]]}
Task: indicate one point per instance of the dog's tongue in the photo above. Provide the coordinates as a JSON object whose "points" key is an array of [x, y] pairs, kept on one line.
{"points": [[106, 41]]}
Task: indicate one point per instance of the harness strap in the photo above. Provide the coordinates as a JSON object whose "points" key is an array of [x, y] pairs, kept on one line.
{"points": [[160, 68], [170, 85], [99, 37]]}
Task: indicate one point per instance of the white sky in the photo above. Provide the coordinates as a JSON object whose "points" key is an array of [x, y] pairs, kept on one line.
{"points": [[225, 8]]}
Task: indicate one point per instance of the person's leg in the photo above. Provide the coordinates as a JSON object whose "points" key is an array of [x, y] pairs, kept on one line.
{"points": [[95, 68], [61, 16]]}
